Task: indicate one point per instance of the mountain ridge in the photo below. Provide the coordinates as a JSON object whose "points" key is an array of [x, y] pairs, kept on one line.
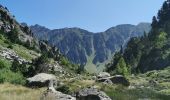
{"points": [[79, 44]]}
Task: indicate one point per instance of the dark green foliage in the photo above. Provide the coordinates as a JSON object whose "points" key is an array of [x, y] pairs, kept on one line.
{"points": [[40, 64], [121, 67], [15, 66], [112, 66], [10, 46], [118, 65], [25, 69], [80, 69], [13, 36], [64, 61], [3, 65], [151, 52], [63, 89], [6, 75], [42, 59], [11, 77]]}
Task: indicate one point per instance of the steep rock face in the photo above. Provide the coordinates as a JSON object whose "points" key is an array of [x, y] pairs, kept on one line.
{"points": [[79, 45]]}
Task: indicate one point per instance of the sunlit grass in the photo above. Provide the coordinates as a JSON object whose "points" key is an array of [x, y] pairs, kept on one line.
{"points": [[18, 92]]}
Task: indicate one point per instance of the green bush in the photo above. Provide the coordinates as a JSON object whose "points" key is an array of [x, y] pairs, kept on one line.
{"points": [[1, 36], [64, 61], [64, 89], [4, 64], [13, 36], [11, 77]]}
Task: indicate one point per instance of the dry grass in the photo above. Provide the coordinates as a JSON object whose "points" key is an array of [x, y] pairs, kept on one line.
{"points": [[17, 92]]}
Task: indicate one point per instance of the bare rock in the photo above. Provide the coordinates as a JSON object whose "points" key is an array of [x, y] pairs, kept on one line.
{"points": [[119, 79], [40, 80], [56, 95], [92, 94], [103, 75]]}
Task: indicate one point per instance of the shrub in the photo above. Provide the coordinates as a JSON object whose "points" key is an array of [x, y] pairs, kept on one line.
{"points": [[64, 61], [13, 36], [10, 46], [11, 77], [64, 89], [15, 66], [4, 64]]}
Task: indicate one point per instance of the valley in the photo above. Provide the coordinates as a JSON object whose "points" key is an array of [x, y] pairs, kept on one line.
{"points": [[125, 62]]}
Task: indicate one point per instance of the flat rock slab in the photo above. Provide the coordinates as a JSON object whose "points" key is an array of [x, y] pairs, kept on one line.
{"points": [[40, 80], [56, 95], [92, 94]]}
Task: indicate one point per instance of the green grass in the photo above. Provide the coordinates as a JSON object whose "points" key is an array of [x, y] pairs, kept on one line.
{"points": [[2, 41], [19, 49], [18, 92], [90, 67], [24, 52], [6, 62]]}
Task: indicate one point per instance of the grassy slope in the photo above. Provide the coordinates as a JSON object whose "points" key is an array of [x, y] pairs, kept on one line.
{"points": [[19, 49], [92, 68], [17, 92]]}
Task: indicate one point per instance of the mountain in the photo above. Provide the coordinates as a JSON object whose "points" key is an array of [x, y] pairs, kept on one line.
{"points": [[32, 69], [150, 52], [23, 56], [88, 48]]}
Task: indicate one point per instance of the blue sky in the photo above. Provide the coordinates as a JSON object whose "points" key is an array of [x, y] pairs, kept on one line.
{"points": [[93, 15]]}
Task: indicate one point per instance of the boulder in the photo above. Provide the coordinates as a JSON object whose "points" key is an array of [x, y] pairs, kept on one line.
{"points": [[105, 80], [103, 75], [91, 94], [56, 95], [40, 80], [119, 79]]}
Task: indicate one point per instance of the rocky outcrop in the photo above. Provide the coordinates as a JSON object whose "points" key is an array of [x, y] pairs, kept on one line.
{"points": [[117, 79], [92, 94], [6, 27], [52, 94], [56, 95], [40, 80], [11, 55], [103, 75]]}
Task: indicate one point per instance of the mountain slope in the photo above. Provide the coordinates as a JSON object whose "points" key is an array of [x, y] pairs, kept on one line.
{"points": [[87, 48], [150, 52]]}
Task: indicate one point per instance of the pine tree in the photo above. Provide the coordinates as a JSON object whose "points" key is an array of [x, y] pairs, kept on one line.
{"points": [[121, 67], [154, 22]]}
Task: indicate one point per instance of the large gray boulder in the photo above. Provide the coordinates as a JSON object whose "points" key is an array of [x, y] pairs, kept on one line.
{"points": [[92, 94], [56, 95], [117, 79], [40, 80], [103, 75]]}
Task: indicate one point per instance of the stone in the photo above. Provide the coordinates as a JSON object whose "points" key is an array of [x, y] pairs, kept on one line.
{"points": [[40, 80], [11, 55], [91, 94], [56, 95], [103, 75], [153, 82], [119, 79]]}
